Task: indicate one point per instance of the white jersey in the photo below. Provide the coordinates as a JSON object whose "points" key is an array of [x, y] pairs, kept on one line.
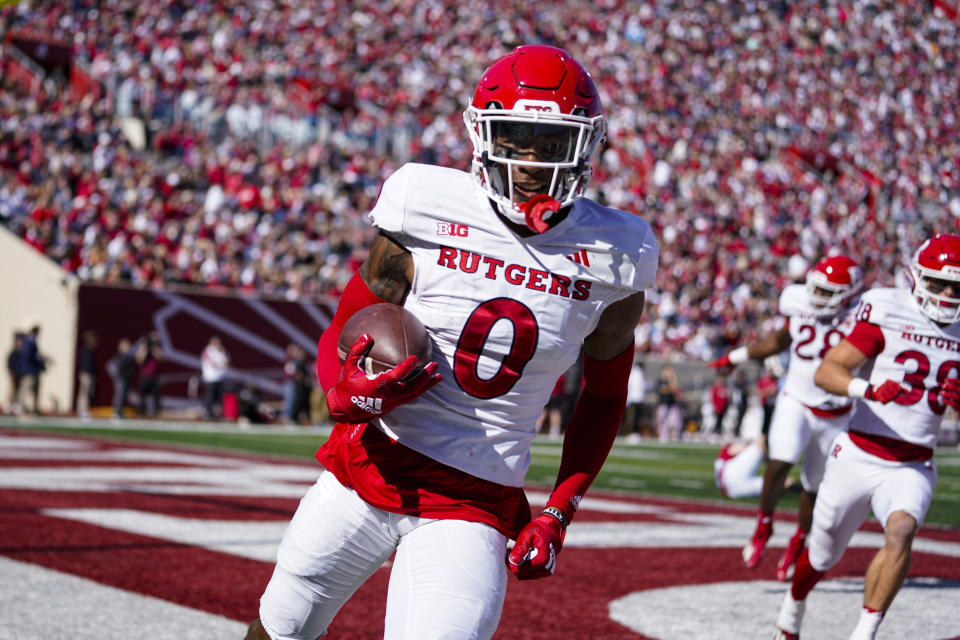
{"points": [[914, 351], [810, 339], [507, 315], [213, 363]]}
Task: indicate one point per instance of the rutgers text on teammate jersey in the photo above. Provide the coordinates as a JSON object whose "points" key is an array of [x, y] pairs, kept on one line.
{"points": [[901, 337]]}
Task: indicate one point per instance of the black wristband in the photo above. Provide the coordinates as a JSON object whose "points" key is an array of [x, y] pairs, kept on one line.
{"points": [[558, 514]]}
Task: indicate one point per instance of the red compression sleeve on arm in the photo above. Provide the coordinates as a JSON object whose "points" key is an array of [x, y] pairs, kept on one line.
{"points": [[867, 338], [356, 295], [592, 428]]}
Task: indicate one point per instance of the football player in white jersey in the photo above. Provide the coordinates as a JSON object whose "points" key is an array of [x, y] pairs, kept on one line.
{"points": [[514, 273], [902, 360], [806, 419], [735, 468]]}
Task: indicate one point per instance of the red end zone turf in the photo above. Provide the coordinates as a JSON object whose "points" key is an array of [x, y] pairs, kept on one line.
{"points": [[199, 530]]}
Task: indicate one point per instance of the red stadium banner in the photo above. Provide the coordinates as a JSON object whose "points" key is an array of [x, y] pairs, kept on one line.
{"points": [[255, 332], [45, 51], [300, 92], [949, 8], [82, 83], [16, 66]]}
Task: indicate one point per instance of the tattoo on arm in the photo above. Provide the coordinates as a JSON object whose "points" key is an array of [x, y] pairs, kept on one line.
{"points": [[388, 269]]}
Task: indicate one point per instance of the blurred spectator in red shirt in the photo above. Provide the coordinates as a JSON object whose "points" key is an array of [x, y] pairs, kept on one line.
{"points": [[720, 399]]}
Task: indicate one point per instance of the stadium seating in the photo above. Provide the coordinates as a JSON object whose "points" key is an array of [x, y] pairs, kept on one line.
{"points": [[238, 146]]}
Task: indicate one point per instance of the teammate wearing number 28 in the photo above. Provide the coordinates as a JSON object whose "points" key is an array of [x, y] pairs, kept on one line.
{"points": [[806, 419], [513, 273], [902, 360]]}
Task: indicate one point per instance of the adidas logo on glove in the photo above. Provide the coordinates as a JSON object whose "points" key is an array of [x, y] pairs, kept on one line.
{"points": [[372, 405]]}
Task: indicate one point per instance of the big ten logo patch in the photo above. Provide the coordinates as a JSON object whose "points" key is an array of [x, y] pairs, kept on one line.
{"points": [[450, 229]]}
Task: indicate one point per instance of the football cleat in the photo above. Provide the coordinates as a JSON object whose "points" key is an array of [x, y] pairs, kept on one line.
{"points": [[753, 550], [789, 558], [790, 616]]}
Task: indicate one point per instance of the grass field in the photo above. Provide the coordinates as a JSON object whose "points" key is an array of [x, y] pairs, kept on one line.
{"points": [[649, 468]]}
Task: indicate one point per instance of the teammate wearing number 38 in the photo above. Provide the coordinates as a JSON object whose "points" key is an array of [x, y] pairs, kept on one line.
{"points": [[806, 419], [906, 345], [513, 273]]}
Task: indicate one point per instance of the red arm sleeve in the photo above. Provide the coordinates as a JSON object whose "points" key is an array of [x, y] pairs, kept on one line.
{"points": [[867, 338], [356, 295], [592, 428]]}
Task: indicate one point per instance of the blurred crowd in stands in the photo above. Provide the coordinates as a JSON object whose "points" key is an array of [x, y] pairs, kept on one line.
{"points": [[239, 145]]}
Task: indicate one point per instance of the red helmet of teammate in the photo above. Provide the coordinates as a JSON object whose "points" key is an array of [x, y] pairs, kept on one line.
{"points": [[538, 109], [936, 264], [832, 283]]}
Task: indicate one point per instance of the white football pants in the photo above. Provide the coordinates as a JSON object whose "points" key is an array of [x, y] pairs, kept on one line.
{"points": [[738, 478], [856, 481], [448, 578], [796, 431]]}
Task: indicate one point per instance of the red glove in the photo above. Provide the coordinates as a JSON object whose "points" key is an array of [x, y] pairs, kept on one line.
{"points": [[950, 393], [357, 398], [884, 393], [535, 553], [723, 362]]}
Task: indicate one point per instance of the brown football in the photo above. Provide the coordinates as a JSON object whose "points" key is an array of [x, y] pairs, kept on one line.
{"points": [[396, 334]]}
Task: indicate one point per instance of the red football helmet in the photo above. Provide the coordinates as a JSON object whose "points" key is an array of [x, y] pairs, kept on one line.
{"points": [[536, 108], [832, 283], [936, 264]]}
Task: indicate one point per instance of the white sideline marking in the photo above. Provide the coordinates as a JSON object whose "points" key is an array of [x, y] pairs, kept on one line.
{"points": [[39, 604], [925, 609], [591, 503], [10, 445], [715, 530], [259, 540], [238, 478], [245, 538]]}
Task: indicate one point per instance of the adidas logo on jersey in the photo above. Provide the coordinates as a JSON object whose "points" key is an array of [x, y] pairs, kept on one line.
{"points": [[370, 405], [580, 257]]}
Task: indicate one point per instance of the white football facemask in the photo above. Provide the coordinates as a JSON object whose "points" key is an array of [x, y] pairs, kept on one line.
{"points": [[926, 289], [562, 144]]}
